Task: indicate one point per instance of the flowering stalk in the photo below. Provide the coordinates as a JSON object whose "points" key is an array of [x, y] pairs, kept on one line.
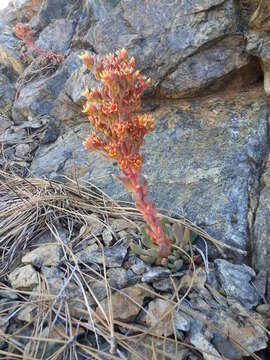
{"points": [[23, 32], [119, 131]]}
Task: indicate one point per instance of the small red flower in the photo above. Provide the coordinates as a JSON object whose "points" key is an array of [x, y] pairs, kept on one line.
{"points": [[93, 142]]}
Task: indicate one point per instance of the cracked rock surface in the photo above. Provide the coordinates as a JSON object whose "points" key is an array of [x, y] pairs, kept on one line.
{"points": [[207, 160]]}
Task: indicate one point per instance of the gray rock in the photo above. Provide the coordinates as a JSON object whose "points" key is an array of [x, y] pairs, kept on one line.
{"points": [[56, 36], [249, 334], [208, 350], [52, 272], [107, 237], [159, 318], [7, 92], [94, 225], [204, 68], [19, 11], [168, 34], [117, 278], [155, 273], [181, 320], [225, 326], [132, 279], [122, 224], [211, 157], [51, 160], [22, 150], [261, 231], [268, 288], [113, 255], [37, 97], [12, 134], [8, 294], [28, 313], [51, 10], [226, 348], [9, 55], [24, 277], [125, 238], [31, 123], [59, 158], [163, 285], [235, 280], [51, 132], [126, 304], [76, 84], [212, 279], [264, 309], [46, 255], [5, 123], [260, 283], [3, 331], [98, 289], [198, 146], [47, 236], [57, 284], [193, 357], [140, 267], [45, 349], [162, 350], [258, 44]]}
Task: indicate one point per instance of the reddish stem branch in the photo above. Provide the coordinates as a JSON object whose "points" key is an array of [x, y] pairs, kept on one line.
{"points": [[148, 209]]}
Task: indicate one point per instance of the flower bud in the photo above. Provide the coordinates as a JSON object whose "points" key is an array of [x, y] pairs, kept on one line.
{"points": [[87, 59], [86, 93]]}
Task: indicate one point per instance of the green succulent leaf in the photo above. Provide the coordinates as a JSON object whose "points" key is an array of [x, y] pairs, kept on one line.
{"points": [[178, 264], [193, 236], [137, 249], [148, 259]]}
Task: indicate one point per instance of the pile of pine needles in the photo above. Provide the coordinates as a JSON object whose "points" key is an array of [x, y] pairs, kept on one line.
{"points": [[28, 208]]}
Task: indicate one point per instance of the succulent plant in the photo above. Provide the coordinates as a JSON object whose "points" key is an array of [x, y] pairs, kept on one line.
{"points": [[118, 131], [181, 238]]}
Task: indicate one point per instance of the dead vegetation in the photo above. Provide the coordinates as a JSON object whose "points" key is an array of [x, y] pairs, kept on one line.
{"points": [[56, 326]]}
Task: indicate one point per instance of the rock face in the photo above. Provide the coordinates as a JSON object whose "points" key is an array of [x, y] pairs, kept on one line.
{"points": [[207, 156], [7, 92], [9, 55], [261, 244], [37, 97], [172, 40], [62, 30], [236, 281], [203, 154]]}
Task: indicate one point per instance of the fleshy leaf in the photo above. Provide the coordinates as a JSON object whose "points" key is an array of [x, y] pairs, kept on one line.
{"points": [[125, 181]]}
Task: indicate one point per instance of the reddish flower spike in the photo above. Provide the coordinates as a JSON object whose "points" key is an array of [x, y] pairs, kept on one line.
{"points": [[112, 113]]}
